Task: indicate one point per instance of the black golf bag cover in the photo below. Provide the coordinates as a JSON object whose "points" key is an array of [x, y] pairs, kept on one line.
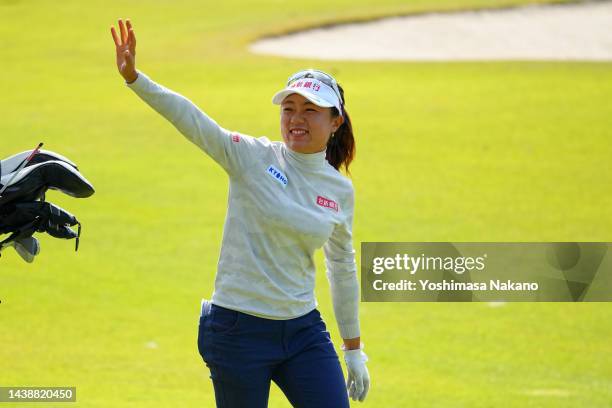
{"points": [[23, 209]]}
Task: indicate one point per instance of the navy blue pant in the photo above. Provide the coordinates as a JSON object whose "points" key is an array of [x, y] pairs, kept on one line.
{"points": [[244, 353]]}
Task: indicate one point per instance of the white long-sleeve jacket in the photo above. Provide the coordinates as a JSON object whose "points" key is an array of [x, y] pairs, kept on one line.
{"points": [[283, 205]]}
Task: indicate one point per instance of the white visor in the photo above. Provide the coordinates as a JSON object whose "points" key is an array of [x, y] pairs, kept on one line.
{"points": [[312, 89]]}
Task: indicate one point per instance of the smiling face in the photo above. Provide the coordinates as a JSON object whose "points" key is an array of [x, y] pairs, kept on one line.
{"points": [[306, 127]]}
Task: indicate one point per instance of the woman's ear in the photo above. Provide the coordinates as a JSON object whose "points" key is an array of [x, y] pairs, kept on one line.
{"points": [[338, 121]]}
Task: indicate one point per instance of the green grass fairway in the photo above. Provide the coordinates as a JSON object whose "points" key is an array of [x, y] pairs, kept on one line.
{"points": [[499, 151]]}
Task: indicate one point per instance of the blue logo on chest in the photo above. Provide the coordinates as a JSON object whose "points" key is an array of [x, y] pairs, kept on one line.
{"points": [[278, 175]]}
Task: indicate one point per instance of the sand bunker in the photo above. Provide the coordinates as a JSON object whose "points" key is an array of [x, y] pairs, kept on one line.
{"points": [[553, 32]]}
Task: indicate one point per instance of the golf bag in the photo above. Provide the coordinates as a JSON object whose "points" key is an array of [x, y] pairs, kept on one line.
{"points": [[23, 209]]}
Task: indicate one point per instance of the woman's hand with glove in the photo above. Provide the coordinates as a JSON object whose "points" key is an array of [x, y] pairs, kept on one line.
{"points": [[358, 382]]}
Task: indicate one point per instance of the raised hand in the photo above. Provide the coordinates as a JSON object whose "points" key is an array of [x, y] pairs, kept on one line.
{"points": [[126, 50]]}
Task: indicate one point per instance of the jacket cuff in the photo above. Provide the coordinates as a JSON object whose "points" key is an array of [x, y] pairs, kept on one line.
{"points": [[141, 79], [349, 331]]}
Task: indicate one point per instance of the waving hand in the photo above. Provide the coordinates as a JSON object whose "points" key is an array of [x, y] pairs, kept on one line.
{"points": [[125, 46]]}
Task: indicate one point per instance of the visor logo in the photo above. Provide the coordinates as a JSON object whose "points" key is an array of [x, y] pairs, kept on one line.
{"points": [[278, 175], [307, 84]]}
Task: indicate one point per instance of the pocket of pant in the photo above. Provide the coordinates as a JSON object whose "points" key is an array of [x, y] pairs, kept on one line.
{"points": [[202, 349], [205, 309], [222, 320]]}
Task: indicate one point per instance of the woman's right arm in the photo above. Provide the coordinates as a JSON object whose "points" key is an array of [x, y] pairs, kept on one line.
{"points": [[231, 150]]}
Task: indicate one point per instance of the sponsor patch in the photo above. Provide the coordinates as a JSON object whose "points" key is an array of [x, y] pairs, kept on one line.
{"points": [[235, 137], [278, 175], [327, 203]]}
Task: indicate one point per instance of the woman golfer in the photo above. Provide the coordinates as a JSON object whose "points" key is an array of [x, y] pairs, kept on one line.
{"points": [[286, 199]]}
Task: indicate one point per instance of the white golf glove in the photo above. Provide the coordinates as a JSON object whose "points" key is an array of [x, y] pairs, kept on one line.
{"points": [[358, 382]]}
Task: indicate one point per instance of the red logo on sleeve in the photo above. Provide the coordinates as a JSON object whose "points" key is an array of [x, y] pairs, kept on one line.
{"points": [[326, 202], [235, 137]]}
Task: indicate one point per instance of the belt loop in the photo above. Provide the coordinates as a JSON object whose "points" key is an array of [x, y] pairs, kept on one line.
{"points": [[205, 307]]}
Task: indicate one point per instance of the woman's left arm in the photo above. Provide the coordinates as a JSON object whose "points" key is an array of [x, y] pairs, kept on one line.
{"points": [[342, 275]]}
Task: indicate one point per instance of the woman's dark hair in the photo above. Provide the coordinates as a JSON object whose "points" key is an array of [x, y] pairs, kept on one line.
{"points": [[341, 147]]}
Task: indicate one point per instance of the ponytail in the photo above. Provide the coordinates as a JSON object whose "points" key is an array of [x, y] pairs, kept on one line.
{"points": [[341, 146]]}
